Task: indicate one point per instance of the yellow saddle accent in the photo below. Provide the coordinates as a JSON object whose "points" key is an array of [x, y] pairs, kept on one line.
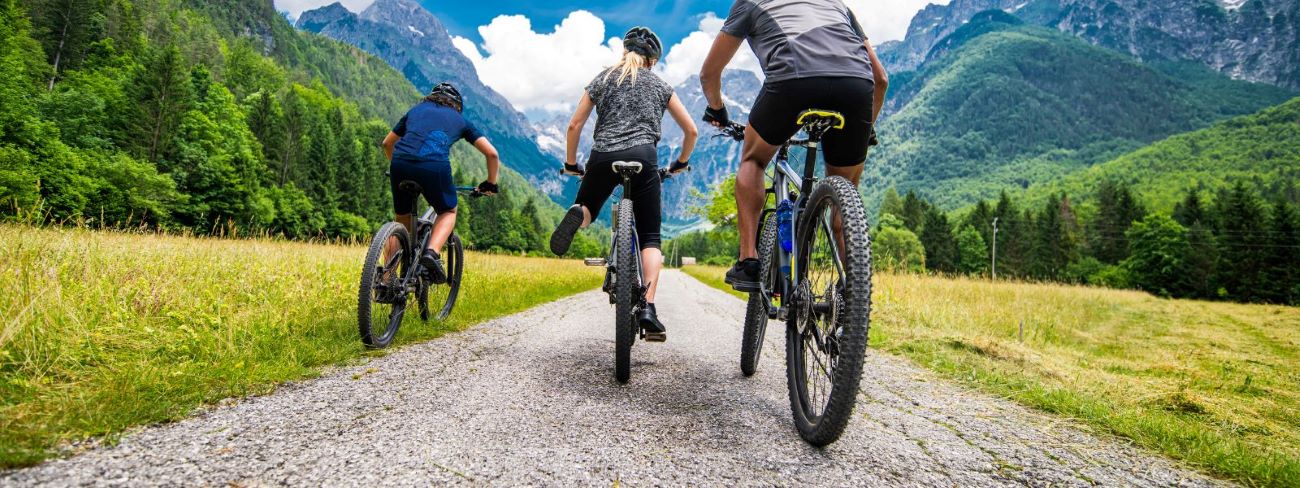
{"points": [[821, 114]]}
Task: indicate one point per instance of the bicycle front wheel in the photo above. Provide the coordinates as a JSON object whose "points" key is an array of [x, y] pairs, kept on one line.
{"points": [[756, 313], [381, 300], [826, 332], [626, 291], [443, 297]]}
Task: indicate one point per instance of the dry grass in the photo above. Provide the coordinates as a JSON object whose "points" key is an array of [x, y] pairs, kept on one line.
{"points": [[1214, 384], [104, 331]]}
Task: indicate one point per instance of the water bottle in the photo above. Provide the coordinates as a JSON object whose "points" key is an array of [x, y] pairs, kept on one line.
{"points": [[784, 229]]}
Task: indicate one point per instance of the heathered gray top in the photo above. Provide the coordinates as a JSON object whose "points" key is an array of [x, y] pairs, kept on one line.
{"points": [[628, 113], [801, 38]]}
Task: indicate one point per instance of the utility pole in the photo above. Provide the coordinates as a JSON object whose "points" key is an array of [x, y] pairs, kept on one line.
{"points": [[995, 248]]}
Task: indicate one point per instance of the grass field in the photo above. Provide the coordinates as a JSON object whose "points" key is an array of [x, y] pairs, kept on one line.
{"points": [[1214, 384], [105, 331]]}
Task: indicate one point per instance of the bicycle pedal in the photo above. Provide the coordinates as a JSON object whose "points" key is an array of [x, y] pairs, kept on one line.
{"points": [[594, 261], [655, 336]]}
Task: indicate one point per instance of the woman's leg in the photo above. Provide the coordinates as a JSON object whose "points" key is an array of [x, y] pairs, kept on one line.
{"points": [[652, 260], [443, 226], [646, 205]]}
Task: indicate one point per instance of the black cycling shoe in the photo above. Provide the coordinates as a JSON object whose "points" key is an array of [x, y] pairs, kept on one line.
{"points": [[653, 329], [563, 235], [433, 264], [743, 276]]}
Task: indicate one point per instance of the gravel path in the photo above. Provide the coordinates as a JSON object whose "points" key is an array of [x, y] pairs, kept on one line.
{"points": [[530, 399]]}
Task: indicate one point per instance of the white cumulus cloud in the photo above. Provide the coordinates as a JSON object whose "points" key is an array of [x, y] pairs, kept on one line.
{"points": [[887, 21], [541, 70], [296, 7], [685, 58]]}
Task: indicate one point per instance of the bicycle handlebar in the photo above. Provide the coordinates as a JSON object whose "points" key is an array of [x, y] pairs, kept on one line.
{"points": [[732, 130], [473, 191]]}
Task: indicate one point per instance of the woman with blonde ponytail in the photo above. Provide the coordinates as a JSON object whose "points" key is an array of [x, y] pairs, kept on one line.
{"points": [[629, 100]]}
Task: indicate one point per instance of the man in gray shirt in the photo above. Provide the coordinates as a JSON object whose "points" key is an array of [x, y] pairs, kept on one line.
{"points": [[814, 55]]}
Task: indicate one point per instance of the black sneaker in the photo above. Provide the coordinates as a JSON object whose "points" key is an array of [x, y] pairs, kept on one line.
{"points": [[654, 329], [743, 276], [563, 235], [433, 264]]}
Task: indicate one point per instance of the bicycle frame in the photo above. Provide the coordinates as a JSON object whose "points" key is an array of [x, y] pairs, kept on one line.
{"points": [[423, 231], [612, 261], [787, 185]]}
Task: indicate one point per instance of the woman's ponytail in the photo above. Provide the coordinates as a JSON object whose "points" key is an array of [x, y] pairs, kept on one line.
{"points": [[629, 66]]}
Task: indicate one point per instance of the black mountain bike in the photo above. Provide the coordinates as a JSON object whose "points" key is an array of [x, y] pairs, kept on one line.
{"points": [[815, 275], [623, 280], [392, 274]]}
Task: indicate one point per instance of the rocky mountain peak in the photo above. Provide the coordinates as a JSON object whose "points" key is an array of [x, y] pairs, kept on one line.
{"points": [[407, 13]]}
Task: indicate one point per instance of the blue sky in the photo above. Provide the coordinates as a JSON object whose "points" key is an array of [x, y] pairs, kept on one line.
{"points": [[540, 54], [672, 20]]}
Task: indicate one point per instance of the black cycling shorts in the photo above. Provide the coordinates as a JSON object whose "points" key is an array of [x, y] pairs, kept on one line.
{"points": [[779, 104], [601, 180], [434, 178]]}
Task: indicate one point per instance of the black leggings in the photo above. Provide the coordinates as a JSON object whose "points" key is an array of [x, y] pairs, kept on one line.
{"points": [[601, 180]]}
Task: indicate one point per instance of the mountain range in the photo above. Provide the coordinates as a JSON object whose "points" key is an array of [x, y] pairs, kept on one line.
{"points": [[1253, 40], [986, 95]]}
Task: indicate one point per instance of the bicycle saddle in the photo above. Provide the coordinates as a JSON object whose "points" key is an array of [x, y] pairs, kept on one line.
{"points": [[410, 186], [828, 118], [626, 168]]}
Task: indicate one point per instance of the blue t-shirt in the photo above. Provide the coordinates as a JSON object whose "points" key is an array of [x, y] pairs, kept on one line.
{"points": [[428, 130]]}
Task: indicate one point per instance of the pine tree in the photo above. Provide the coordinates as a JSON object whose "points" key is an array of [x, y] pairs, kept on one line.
{"points": [[940, 246], [1055, 245], [1284, 255], [161, 91], [1242, 234], [913, 212], [1117, 209], [66, 29], [1190, 211], [1199, 265]]}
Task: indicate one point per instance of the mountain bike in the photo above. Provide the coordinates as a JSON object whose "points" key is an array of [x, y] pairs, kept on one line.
{"points": [[815, 275], [623, 281], [392, 274]]}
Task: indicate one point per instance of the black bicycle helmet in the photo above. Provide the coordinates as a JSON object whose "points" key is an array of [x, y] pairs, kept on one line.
{"points": [[448, 92], [643, 41]]}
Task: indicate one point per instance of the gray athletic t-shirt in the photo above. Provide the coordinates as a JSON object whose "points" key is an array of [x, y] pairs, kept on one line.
{"points": [[628, 113], [801, 38]]}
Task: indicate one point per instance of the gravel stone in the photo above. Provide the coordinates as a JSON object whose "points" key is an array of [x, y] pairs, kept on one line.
{"points": [[530, 399]]}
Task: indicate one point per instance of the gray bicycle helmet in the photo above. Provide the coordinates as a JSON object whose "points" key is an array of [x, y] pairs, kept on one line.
{"points": [[643, 41]]}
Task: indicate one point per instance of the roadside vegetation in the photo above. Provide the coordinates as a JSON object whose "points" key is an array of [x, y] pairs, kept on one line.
{"points": [[105, 331], [1212, 384]]}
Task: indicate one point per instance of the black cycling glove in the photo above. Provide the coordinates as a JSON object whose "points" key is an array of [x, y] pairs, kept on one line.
{"points": [[871, 138], [719, 116], [488, 188], [679, 166], [573, 170]]}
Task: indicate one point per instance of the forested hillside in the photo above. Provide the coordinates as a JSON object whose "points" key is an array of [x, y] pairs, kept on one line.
{"points": [[1262, 150], [1004, 105], [143, 113], [218, 119]]}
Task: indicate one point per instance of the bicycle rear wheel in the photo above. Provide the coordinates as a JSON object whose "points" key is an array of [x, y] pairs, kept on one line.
{"points": [[826, 333], [626, 291], [443, 297], [381, 300], [756, 313]]}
